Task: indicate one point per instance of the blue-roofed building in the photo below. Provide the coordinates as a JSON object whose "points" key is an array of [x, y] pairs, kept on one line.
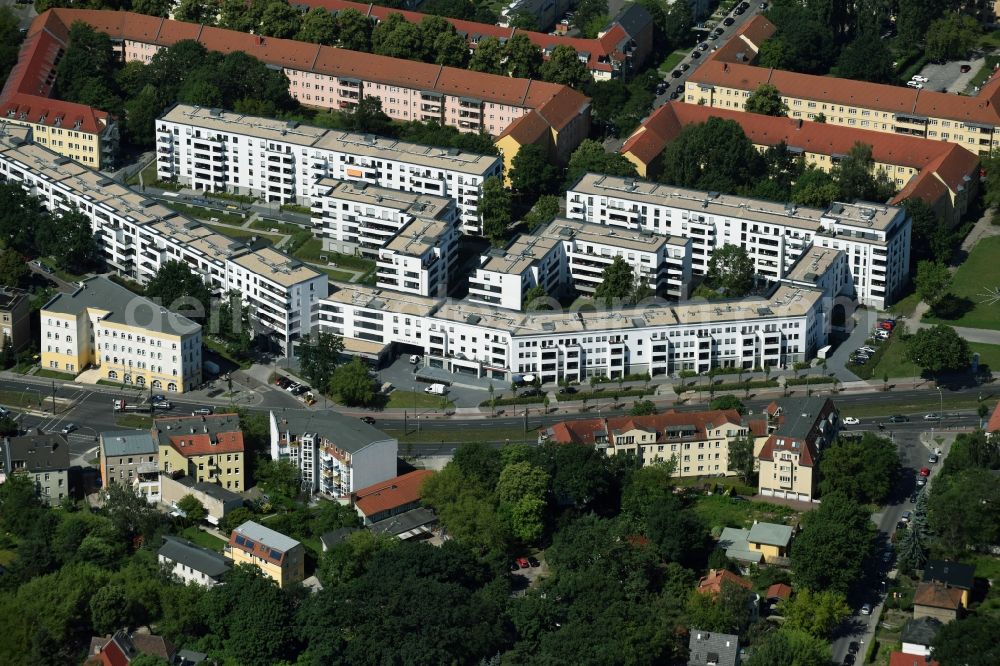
{"points": [[130, 457]]}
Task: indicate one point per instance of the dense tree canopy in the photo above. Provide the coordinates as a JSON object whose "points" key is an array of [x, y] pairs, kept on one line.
{"points": [[714, 155], [731, 271], [177, 287], [836, 540], [938, 349], [863, 469]]}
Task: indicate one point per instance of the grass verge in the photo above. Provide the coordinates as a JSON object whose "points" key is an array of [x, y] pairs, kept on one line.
{"points": [[20, 398], [672, 60], [977, 274], [203, 539], [136, 421], [340, 276], [242, 232], [203, 213], [282, 227], [723, 511], [54, 374], [410, 399]]}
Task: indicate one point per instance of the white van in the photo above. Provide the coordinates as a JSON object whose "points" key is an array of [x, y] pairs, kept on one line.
{"points": [[436, 389], [414, 359]]}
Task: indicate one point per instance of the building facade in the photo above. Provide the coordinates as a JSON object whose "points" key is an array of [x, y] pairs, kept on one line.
{"points": [[798, 432], [137, 237], [190, 564], [207, 449], [875, 237], [335, 454], [43, 458], [391, 497], [15, 317], [278, 557], [130, 458], [132, 339], [218, 501], [570, 256], [217, 151]]}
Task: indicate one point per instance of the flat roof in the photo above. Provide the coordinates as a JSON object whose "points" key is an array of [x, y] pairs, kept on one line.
{"points": [[374, 298], [276, 267], [726, 205], [419, 237], [128, 442], [231, 122], [814, 262], [118, 305], [786, 301], [414, 203]]}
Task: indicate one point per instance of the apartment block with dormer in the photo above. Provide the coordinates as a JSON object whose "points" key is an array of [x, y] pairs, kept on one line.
{"points": [[207, 449], [798, 430]]}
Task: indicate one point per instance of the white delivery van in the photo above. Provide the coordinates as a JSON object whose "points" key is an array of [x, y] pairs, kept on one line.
{"points": [[436, 389]]}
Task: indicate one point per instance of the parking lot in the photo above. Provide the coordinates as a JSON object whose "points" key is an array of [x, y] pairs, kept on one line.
{"points": [[949, 77]]}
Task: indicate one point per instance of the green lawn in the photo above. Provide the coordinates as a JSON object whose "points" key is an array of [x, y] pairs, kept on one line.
{"points": [[242, 232], [977, 274], [283, 227], [137, 421], [905, 306], [149, 178], [881, 406], [722, 511], [220, 349], [409, 399], [59, 272], [341, 276], [512, 435], [20, 398], [203, 539], [295, 208], [53, 374], [202, 213], [672, 60]]}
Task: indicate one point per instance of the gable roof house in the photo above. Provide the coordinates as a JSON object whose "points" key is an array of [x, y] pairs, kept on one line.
{"points": [[279, 557], [937, 600], [953, 574], [191, 563], [121, 648], [713, 649], [802, 427], [918, 635]]}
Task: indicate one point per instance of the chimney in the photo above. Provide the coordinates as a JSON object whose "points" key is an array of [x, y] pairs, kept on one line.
{"points": [[799, 124]]}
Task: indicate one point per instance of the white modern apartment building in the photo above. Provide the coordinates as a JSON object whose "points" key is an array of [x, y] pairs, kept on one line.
{"points": [[358, 218], [132, 339], [571, 255], [485, 341], [137, 236], [875, 237], [335, 454], [420, 259], [217, 151]]}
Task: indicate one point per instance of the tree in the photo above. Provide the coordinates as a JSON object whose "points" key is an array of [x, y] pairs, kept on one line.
{"points": [[951, 37], [678, 22], [466, 509], [494, 210], [13, 269], [354, 30], [280, 480], [193, 509], [867, 58], [234, 325], [396, 37], [19, 506], [352, 383], [109, 609], [521, 57], [522, 479], [69, 239], [786, 646], [130, 513], [713, 155], [678, 532], [531, 172], [280, 20], [234, 519], [196, 11], [449, 48], [815, 613], [587, 12], [590, 157], [964, 510], [488, 56], [912, 551], [319, 356], [938, 349], [766, 100], [728, 402], [617, 283], [932, 281], [854, 176], [564, 66], [864, 469], [728, 612], [836, 540], [731, 270], [930, 238], [814, 187], [643, 408], [319, 26], [741, 459], [178, 288], [971, 641]]}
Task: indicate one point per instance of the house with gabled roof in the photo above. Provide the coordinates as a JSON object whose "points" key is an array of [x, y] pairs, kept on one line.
{"points": [[800, 429], [956, 575], [190, 563], [279, 557]]}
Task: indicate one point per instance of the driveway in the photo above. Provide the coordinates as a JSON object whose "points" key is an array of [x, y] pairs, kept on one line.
{"points": [[836, 362], [948, 77]]}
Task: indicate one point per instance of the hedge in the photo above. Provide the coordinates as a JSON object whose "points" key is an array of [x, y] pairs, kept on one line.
{"points": [[812, 379], [501, 402]]}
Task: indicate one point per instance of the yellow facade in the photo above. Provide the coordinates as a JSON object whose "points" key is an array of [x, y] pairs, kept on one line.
{"points": [[508, 147], [709, 456], [770, 552], [224, 469], [84, 147], [846, 115], [291, 571]]}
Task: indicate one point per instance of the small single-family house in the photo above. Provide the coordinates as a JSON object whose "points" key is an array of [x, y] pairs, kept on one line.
{"points": [[953, 574], [770, 540], [713, 649], [190, 563], [903, 659], [937, 600], [918, 636]]}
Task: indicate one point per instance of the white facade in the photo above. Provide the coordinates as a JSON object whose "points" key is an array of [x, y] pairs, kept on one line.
{"points": [[215, 151], [335, 454], [875, 237], [185, 574], [659, 339], [137, 235], [420, 259], [572, 255]]}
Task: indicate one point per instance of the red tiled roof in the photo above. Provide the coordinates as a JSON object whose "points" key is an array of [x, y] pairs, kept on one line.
{"points": [[722, 69], [581, 431], [993, 425], [392, 493], [938, 595], [778, 591], [200, 444], [713, 582], [903, 659], [527, 129], [775, 443], [925, 186], [599, 50]]}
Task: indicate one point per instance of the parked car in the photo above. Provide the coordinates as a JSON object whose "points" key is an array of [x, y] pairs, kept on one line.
{"points": [[158, 398], [684, 67], [719, 31], [414, 359], [866, 609], [567, 390], [849, 659], [851, 420], [661, 88], [367, 419], [919, 79], [675, 94], [887, 556], [162, 404], [531, 393], [703, 46], [925, 471], [932, 458], [534, 562], [728, 21], [676, 74], [854, 647], [905, 518], [965, 68], [292, 386], [695, 55], [914, 84], [523, 562], [921, 481], [913, 498]]}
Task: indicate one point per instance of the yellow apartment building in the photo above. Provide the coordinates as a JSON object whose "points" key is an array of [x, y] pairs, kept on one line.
{"points": [[279, 557], [208, 449]]}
